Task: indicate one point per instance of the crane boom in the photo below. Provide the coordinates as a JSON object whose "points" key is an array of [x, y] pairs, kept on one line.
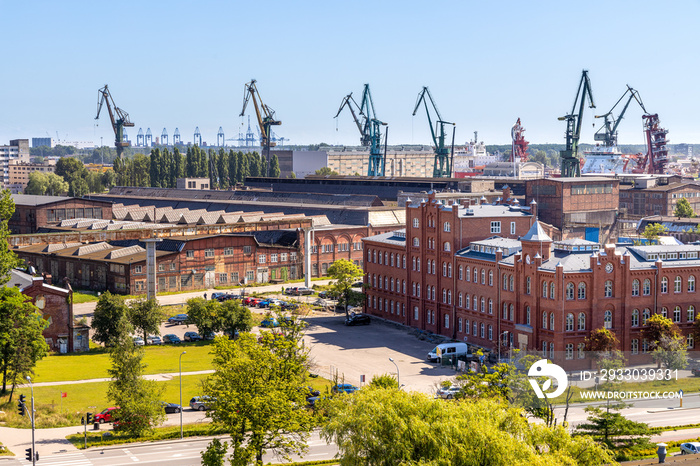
{"points": [[443, 165], [119, 123], [348, 102], [265, 116], [570, 163], [608, 132]]}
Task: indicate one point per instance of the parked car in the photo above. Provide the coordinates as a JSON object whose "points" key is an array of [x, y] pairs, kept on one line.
{"points": [[448, 393], [218, 295], [192, 336], [171, 407], [154, 340], [106, 415], [357, 285], [138, 341], [263, 303], [208, 336], [298, 291], [695, 371], [275, 302], [269, 322], [178, 319], [289, 306], [690, 448], [171, 338], [250, 301], [201, 403], [344, 388], [358, 319], [326, 294]]}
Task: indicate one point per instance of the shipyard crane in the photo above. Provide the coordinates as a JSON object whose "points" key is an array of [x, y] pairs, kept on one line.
{"points": [[519, 148], [608, 132], [119, 123], [265, 115], [370, 129], [570, 163], [443, 164]]}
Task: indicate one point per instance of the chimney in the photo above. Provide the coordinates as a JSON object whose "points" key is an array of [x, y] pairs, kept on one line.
{"points": [[506, 194], [47, 278], [533, 208]]}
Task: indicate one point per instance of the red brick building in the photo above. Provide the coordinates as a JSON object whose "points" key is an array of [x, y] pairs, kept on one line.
{"points": [[525, 292], [638, 201], [34, 212]]}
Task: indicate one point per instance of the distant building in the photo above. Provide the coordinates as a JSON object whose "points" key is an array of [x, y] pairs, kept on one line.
{"points": [[17, 151], [193, 183], [642, 200], [518, 170], [39, 142], [34, 212], [19, 173]]}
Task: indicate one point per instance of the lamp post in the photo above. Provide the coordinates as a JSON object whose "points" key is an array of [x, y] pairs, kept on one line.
{"points": [[180, 358], [32, 418], [398, 379]]}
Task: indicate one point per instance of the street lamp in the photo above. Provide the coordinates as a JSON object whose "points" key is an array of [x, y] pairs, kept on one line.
{"points": [[398, 379], [33, 414], [181, 433]]}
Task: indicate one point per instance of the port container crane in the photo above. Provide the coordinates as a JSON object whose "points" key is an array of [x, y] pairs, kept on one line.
{"points": [[443, 162], [370, 129], [265, 116], [570, 162], [119, 123], [607, 134]]}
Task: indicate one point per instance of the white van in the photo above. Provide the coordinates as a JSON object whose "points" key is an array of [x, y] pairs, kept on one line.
{"points": [[448, 350]]}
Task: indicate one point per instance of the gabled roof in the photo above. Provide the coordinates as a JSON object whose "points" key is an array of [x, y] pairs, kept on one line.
{"points": [[536, 233]]}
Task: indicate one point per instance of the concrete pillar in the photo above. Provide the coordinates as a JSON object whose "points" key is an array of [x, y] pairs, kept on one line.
{"points": [[307, 257], [151, 281]]}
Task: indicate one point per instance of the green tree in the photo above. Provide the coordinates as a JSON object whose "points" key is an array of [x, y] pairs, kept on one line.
{"points": [[138, 399], [683, 209], [235, 317], [109, 312], [345, 273], [222, 169], [275, 166], [385, 427], [384, 381], [156, 164], [613, 430], [204, 314], [653, 230], [178, 167], [601, 341], [109, 179], [672, 352], [78, 188], [94, 182], [46, 183], [215, 454], [70, 168], [259, 395], [8, 259], [325, 171], [145, 315], [22, 343], [659, 328]]}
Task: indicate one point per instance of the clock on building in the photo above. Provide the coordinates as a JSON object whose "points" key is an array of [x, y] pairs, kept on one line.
{"points": [[609, 267]]}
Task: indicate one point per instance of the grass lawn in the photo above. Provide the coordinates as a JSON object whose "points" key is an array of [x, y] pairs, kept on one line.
{"points": [[93, 365]]}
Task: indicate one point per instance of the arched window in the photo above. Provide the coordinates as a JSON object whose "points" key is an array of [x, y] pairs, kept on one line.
{"points": [[607, 320], [392, 259], [374, 280], [460, 272], [380, 282], [634, 347], [444, 269], [528, 283], [569, 354], [635, 287], [404, 260], [433, 293], [446, 246], [460, 324], [512, 313], [664, 312], [490, 277], [467, 301], [569, 322], [459, 300], [483, 276], [403, 286], [581, 350], [690, 341], [490, 306], [416, 243], [677, 283], [544, 349], [569, 290], [483, 304], [691, 314], [476, 275], [646, 313], [582, 290], [691, 284], [391, 283], [646, 287], [527, 315], [427, 292], [374, 254], [581, 321], [505, 311], [449, 297], [446, 226], [418, 290], [544, 320], [551, 321], [490, 332], [481, 330], [664, 285], [414, 263], [476, 303], [635, 318], [505, 281], [414, 289], [418, 264], [468, 274], [552, 291], [381, 261], [447, 321], [677, 314], [510, 282], [444, 295], [449, 270], [544, 289], [608, 289]]}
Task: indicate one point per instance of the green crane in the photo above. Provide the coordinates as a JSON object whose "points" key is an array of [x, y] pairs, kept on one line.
{"points": [[570, 163], [608, 132], [118, 123], [443, 164], [370, 129]]}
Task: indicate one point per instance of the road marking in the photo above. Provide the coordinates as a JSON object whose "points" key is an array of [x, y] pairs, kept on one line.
{"points": [[77, 459], [131, 455]]}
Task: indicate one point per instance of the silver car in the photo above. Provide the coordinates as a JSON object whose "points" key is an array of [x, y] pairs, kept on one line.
{"points": [[690, 448], [448, 393], [201, 403]]}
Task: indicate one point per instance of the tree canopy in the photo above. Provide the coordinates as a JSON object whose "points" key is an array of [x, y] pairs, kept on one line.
{"points": [[345, 273], [50, 184], [653, 230], [683, 209]]}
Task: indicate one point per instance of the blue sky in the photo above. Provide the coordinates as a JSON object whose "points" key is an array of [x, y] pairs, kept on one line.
{"points": [[184, 64]]}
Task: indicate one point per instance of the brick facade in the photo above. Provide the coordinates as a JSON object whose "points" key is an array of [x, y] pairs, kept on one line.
{"points": [[35, 212]]}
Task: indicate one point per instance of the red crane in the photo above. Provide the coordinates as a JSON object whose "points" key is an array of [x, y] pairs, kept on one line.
{"points": [[519, 152]]}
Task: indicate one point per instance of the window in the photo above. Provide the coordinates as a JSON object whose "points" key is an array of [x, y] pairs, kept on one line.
{"points": [[505, 281], [691, 314], [527, 315], [634, 347], [483, 304], [607, 320], [209, 253], [459, 299], [677, 283], [293, 256], [608, 289], [476, 303], [512, 228], [552, 291], [262, 258], [490, 277], [551, 321], [449, 270], [415, 312], [467, 301], [490, 306], [172, 266], [415, 242], [691, 284], [581, 350], [646, 313], [223, 278], [460, 272], [505, 311], [283, 257], [444, 269], [418, 265], [481, 330], [474, 329], [569, 290], [273, 257], [495, 227], [664, 285], [403, 258], [414, 263], [459, 323], [569, 351], [190, 254], [416, 223], [691, 341], [247, 249], [581, 290], [664, 312], [645, 346], [544, 289], [447, 321], [444, 295], [449, 296], [228, 251], [677, 314], [581, 321], [446, 226], [392, 259], [510, 281], [635, 318], [551, 349], [544, 320], [490, 332], [544, 349], [483, 276], [635, 287], [528, 282], [476, 275], [467, 274], [161, 267], [646, 287], [137, 269], [569, 322]]}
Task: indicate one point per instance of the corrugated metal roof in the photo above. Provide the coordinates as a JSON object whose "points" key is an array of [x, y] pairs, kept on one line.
{"points": [[125, 252], [58, 246], [90, 248]]}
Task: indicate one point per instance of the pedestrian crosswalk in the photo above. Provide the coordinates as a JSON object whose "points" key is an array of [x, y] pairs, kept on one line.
{"points": [[60, 459]]}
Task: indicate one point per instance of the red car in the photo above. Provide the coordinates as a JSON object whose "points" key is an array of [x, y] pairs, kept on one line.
{"points": [[106, 415], [249, 301]]}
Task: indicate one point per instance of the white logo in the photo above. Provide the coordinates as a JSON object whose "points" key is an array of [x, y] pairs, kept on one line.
{"points": [[542, 369]]}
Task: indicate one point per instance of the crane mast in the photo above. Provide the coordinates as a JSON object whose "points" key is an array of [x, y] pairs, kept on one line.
{"points": [[370, 129], [570, 162], [519, 147], [265, 116], [608, 132], [119, 123], [443, 163]]}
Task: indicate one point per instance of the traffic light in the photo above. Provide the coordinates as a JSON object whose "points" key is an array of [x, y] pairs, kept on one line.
{"points": [[89, 418], [20, 405], [29, 454]]}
